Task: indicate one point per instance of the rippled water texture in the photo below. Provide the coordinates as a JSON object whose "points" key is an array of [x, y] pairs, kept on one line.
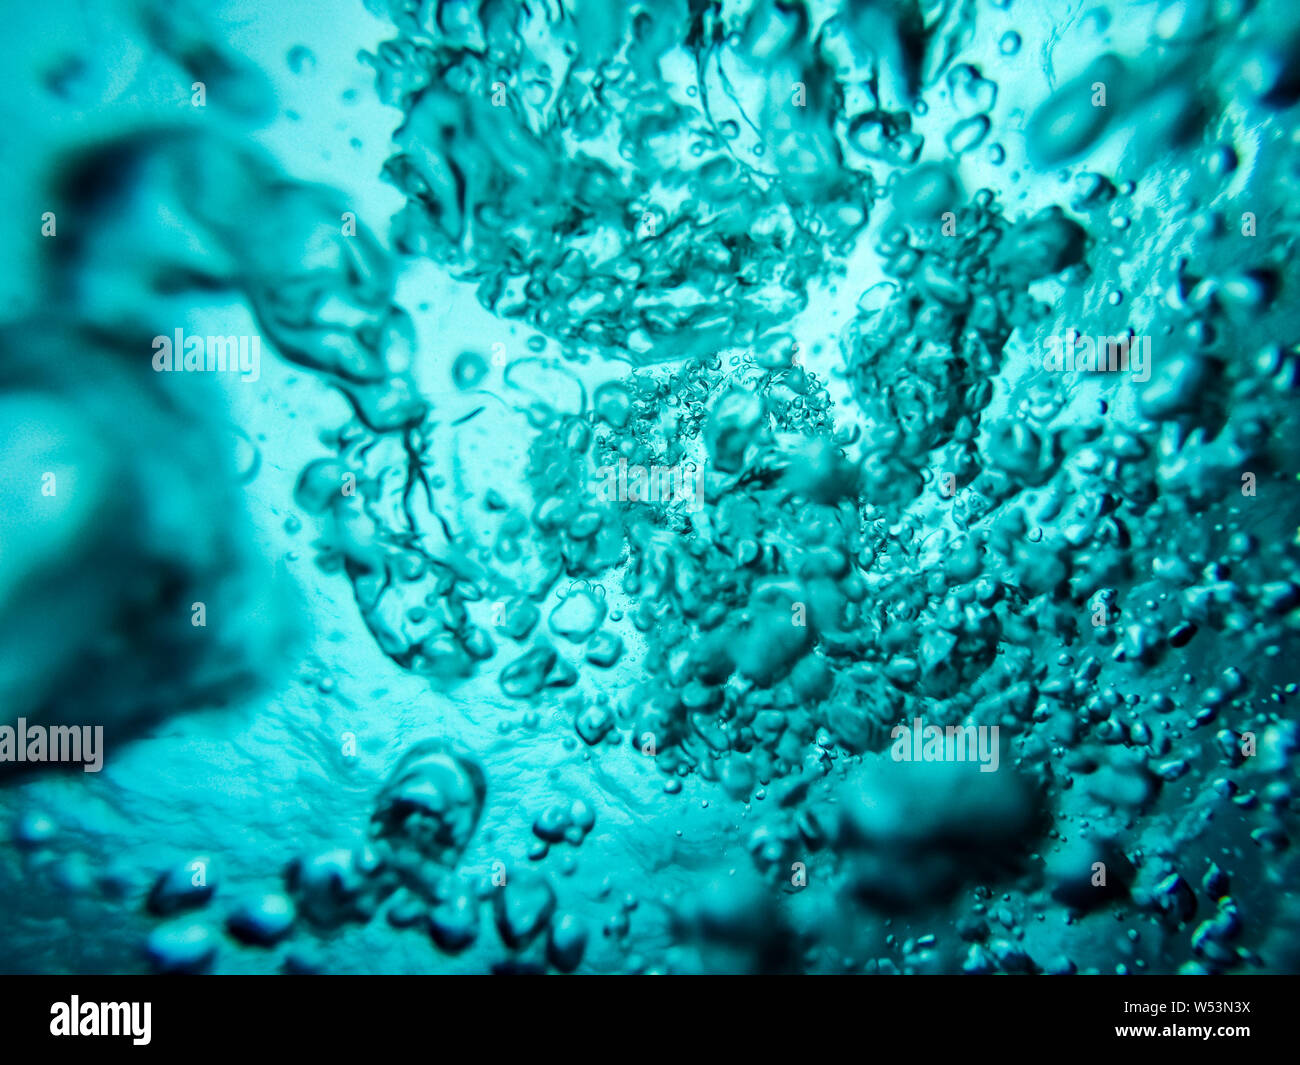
{"points": [[627, 486]]}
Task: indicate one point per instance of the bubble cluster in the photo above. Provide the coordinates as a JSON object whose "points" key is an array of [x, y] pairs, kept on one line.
{"points": [[886, 388]]}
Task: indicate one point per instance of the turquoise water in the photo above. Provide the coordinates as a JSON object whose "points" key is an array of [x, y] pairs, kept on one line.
{"points": [[650, 487]]}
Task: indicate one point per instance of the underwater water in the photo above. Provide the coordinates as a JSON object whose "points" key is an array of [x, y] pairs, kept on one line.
{"points": [[650, 486]]}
